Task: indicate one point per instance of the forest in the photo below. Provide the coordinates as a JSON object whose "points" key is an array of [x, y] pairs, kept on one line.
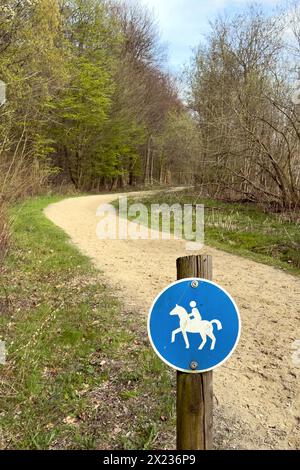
{"points": [[95, 106], [91, 104]]}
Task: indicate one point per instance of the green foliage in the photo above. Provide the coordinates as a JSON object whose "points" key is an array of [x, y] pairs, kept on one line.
{"points": [[84, 91], [32, 64]]}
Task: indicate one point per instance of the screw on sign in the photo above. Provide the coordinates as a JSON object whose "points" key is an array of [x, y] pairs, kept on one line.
{"points": [[194, 326]]}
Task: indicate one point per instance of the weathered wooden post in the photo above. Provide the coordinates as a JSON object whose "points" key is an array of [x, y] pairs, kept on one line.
{"points": [[194, 343], [194, 391]]}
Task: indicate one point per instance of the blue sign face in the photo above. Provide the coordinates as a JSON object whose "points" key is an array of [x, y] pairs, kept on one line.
{"points": [[194, 325]]}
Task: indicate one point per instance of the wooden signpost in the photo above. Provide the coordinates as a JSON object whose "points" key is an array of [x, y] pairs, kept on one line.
{"points": [[194, 391], [194, 327]]}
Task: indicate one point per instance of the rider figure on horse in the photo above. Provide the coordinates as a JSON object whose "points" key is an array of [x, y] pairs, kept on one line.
{"points": [[195, 312]]}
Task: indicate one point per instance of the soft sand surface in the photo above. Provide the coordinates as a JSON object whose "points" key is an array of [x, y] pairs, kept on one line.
{"points": [[257, 390]]}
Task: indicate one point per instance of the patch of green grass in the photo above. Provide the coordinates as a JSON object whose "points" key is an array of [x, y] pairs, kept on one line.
{"points": [[240, 228], [144, 441], [73, 356], [128, 394]]}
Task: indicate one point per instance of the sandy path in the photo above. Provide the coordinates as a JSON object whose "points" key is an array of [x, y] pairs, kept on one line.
{"points": [[257, 390]]}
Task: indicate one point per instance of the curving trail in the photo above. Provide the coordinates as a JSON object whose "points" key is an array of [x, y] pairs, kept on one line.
{"points": [[257, 391]]}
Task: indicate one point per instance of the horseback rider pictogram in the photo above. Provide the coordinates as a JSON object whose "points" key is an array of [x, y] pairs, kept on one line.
{"points": [[193, 323]]}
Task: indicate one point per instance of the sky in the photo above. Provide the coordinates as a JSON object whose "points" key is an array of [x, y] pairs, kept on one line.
{"points": [[184, 23]]}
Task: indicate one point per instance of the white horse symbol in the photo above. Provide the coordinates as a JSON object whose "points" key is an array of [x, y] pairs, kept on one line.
{"points": [[195, 325]]}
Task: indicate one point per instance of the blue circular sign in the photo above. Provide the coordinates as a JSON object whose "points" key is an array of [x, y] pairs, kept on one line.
{"points": [[194, 325]]}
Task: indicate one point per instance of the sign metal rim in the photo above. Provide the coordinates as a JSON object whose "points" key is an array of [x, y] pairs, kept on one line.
{"points": [[190, 371]]}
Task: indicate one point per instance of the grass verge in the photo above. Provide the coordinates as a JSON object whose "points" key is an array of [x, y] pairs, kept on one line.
{"points": [[240, 228], [78, 373]]}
